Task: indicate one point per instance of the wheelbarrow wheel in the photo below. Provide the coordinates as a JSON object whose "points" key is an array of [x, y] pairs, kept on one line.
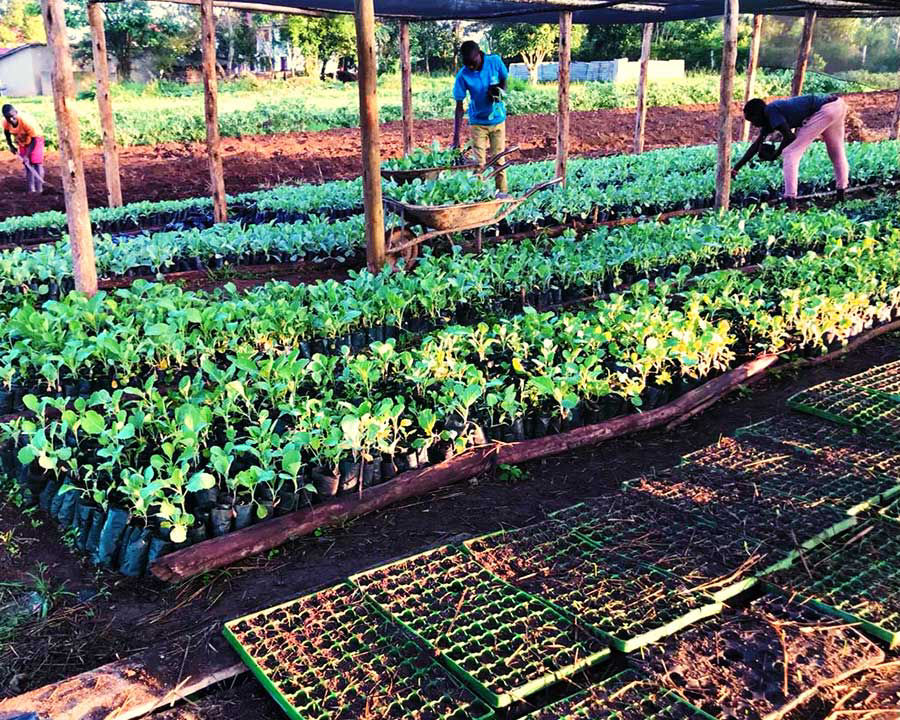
{"points": [[396, 237]]}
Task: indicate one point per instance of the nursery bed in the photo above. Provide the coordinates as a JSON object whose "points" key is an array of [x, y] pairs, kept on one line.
{"points": [[758, 662]]}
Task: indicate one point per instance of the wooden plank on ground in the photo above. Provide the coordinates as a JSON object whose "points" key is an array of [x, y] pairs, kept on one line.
{"points": [[133, 687]]}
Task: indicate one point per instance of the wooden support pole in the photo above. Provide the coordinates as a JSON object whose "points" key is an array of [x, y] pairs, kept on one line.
{"points": [[71, 166], [107, 124], [640, 120], [726, 100], [364, 11], [562, 118], [895, 120], [211, 110], [406, 86], [752, 65], [806, 41]]}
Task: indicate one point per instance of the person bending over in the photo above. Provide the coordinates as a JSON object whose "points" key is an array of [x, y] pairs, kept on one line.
{"points": [[482, 77], [30, 140], [800, 120]]}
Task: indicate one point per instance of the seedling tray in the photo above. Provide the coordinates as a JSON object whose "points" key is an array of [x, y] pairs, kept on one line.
{"points": [[852, 405], [702, 552], [780, 524], [855, 578], [504, 643], [883, 379], [628, 603], [626, 696], [331, 656], [758, 662], [773, 472], [820, 440], [891, 513]]}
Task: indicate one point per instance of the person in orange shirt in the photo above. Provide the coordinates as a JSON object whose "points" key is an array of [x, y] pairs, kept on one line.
{"points": [[30, 139]]}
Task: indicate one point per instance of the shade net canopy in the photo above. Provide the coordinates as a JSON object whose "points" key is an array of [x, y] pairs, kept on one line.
{"points": [[593, 12]]}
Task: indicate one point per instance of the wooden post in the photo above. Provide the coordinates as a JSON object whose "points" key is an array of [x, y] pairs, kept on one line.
{"points": [[406, 85], [364, 11], [210, 96], [107, 124], [562, 118], [752, 65], [71, 167], [806, 41], [726, 99], [640, 120], [895, 120]]}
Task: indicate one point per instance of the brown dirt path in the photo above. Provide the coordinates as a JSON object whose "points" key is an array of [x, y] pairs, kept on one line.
{"points": [[179, 171]]}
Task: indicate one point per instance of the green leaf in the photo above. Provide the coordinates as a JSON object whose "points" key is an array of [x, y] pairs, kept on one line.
{"points": [[32, 403], [25, 455], [92, 423], [201, 481]]}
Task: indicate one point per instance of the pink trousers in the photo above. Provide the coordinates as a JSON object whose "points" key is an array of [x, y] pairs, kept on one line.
{"points": [[828, 124]]}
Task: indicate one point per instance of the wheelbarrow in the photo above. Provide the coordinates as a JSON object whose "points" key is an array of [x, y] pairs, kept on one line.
{"points": [[404, 176], [401, 243]]}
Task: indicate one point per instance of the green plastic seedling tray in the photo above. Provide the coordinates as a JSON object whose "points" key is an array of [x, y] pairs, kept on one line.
{"points": [[603, 591], [625, 696], [883, 379], [837, 578], [851, 405], [670, 548], [319, 664], [891, 513], [773, 472], [438, 596], [812, 437]]}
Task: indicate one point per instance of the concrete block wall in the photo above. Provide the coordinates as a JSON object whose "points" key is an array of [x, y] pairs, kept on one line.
{"points": [[618, 71]]}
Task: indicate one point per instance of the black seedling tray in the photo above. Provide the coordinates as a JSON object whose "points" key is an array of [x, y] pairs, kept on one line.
{"points": [[758, 662], [852, 405], [856, 578], [627, 602], [626, 696], [504, 643], [824, 441], [333, 656], [773, 472]]}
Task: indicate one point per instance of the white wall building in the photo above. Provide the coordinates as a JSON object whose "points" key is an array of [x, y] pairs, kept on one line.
{"points": [[25, 70]]}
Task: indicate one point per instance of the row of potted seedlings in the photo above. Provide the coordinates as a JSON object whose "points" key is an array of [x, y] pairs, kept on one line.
{"points": [[286, 431], [78, 345]]}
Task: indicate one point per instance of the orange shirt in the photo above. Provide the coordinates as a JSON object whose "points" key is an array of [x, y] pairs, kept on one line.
{"points": [[25, 131]]}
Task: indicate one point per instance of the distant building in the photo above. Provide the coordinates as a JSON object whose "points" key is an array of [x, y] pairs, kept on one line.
{"points": [[615, 71], [25, 70]]}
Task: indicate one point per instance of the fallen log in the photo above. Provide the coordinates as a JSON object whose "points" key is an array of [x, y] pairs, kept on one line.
{"points": [[238, 545], [130, 688]]}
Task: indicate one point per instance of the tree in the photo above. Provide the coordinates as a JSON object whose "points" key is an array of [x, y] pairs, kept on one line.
{"points": [[131, 30], [323, 37], [532, 43], [21, 22], [608, 42], [431, 44]]}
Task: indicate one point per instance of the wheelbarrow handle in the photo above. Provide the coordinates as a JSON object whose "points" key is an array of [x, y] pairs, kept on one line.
{"points": [[491, 160], [499, 169], [540, 186]]}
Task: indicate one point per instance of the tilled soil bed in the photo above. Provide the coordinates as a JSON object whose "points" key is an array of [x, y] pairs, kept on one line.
{"points": [[254, 162]]}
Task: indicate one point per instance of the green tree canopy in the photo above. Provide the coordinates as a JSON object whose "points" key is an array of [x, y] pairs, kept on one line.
{"points": [[323, 38], [20, 22]]}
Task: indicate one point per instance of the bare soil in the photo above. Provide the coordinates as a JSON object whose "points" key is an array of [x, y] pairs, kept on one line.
{"points": [[110, 617], [171, 171]]}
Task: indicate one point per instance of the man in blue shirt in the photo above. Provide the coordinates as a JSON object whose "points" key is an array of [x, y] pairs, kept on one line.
{"points": [[483, 77]]}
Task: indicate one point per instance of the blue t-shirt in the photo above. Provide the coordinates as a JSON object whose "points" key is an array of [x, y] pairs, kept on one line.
{"points": [[482, 111], [794, 111]]}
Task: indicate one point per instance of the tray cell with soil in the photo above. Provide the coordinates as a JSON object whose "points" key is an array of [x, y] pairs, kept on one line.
{"points": [[625, 696], [704, 553], [884, 379], [765, 471], [505, 643], [873, 413], [821, 440], [333, 656], [758, 662], [625, 601], [856, 578]]}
